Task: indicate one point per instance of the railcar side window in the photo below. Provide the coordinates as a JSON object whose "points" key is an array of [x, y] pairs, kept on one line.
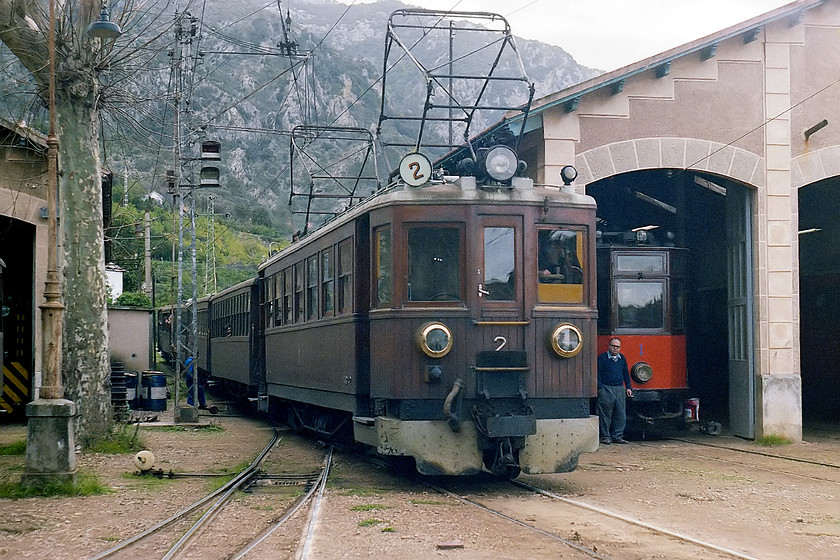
{"points": [[327, 282], [499, 263], [268, 291], [288, 296], [312, 288], [561, 265], [345, 277], [434, 264], [299, 292], [382, 266], [640, 304], [278, 299]]}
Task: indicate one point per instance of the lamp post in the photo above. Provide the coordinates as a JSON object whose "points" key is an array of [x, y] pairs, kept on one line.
{"points": [[50, 447]]}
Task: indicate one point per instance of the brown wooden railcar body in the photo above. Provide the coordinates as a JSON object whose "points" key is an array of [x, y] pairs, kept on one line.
{"points": [[361, 356]]}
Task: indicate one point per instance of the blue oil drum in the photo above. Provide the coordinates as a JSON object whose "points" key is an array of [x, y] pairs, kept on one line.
{"points": [[131, 390], [153, 391]]}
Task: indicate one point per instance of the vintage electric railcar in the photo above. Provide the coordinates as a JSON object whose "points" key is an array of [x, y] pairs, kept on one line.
{"points": [[421, 324], [450, 317], [641, 299]]}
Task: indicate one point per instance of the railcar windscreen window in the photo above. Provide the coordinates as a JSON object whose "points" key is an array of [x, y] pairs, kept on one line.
{"points": [[434, 264], [499, 263], [561, 268], [640, 304]]}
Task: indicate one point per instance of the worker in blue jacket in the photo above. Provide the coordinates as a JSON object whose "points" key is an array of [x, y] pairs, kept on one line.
{"points": [[189, 374], [613, 390]]}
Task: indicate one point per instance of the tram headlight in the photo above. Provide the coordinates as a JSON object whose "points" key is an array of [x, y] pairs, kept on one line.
{"points": [[434, 339], [566, 340], [500, 163], [641, 372]]}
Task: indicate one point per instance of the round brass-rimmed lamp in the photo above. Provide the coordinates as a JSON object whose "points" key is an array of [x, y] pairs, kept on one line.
{"points": [[566, 340], [434, 339]]}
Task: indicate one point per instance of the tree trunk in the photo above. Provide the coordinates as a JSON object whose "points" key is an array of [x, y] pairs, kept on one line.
{"points": [[25, 30], [86, 366]]}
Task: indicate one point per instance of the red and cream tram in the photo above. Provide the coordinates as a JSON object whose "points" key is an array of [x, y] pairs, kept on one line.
{"points": [[641, 299]]}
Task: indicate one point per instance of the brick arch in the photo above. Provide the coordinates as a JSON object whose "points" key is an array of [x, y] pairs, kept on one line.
{"points": [[678, 153], [21, 206], [811, 167]]}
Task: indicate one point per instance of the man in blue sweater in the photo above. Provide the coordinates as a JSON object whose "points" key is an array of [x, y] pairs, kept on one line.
{"points": [[613, 389]]}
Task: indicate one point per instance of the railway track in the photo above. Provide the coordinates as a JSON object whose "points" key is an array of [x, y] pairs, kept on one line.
{"points": [[564, 523], [219, 499], [590, 543], [731, 452]]}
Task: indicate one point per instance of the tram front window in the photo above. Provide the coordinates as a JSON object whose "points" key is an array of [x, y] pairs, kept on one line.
{"points": [[560, 270], [499, 263], [640, 304], [434, 264]]}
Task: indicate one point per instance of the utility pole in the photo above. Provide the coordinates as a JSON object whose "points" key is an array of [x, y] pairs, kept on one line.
{"points": [[147, 252], [185, 331], [185, 57]]}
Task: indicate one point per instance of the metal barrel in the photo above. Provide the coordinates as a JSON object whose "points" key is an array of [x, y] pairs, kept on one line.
{"points": [[153, 391], [131, 389]]}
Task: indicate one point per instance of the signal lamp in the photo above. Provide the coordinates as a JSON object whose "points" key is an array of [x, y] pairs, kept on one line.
{"points": [[568, 174]]}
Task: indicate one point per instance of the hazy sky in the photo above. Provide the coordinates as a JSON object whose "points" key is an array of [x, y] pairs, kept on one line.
{"points": [[609, 34]]}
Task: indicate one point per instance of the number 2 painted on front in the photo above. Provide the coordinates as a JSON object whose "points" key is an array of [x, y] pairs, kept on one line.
{"points": [[415, 168]]}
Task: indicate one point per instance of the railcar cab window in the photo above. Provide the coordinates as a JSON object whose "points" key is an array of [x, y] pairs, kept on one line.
{"points": [[499, 263], [434, 264], [561, 267], [640, 304], [382, 267]]}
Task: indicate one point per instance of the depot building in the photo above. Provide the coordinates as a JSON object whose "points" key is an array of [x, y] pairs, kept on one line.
{"points": [[731, 143]]}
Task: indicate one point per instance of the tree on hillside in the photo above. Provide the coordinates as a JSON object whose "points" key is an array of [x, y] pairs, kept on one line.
{"points": [[25, 29]]}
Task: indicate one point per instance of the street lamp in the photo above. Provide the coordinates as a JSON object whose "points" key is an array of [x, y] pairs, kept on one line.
{"points": [[104, 28], [50, 446]]}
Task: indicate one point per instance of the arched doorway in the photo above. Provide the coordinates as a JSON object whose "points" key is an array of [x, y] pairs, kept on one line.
{"points": [[710, 218], [17, 242], [819, 303]]}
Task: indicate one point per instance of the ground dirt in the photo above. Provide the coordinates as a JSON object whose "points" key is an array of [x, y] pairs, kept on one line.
{"points": [[757, 506]]}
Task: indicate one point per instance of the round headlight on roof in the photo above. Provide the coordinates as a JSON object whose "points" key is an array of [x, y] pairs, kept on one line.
{"points": [[566, 340], [568, 174], [500, 163], [434, 339], [641, 372]]}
